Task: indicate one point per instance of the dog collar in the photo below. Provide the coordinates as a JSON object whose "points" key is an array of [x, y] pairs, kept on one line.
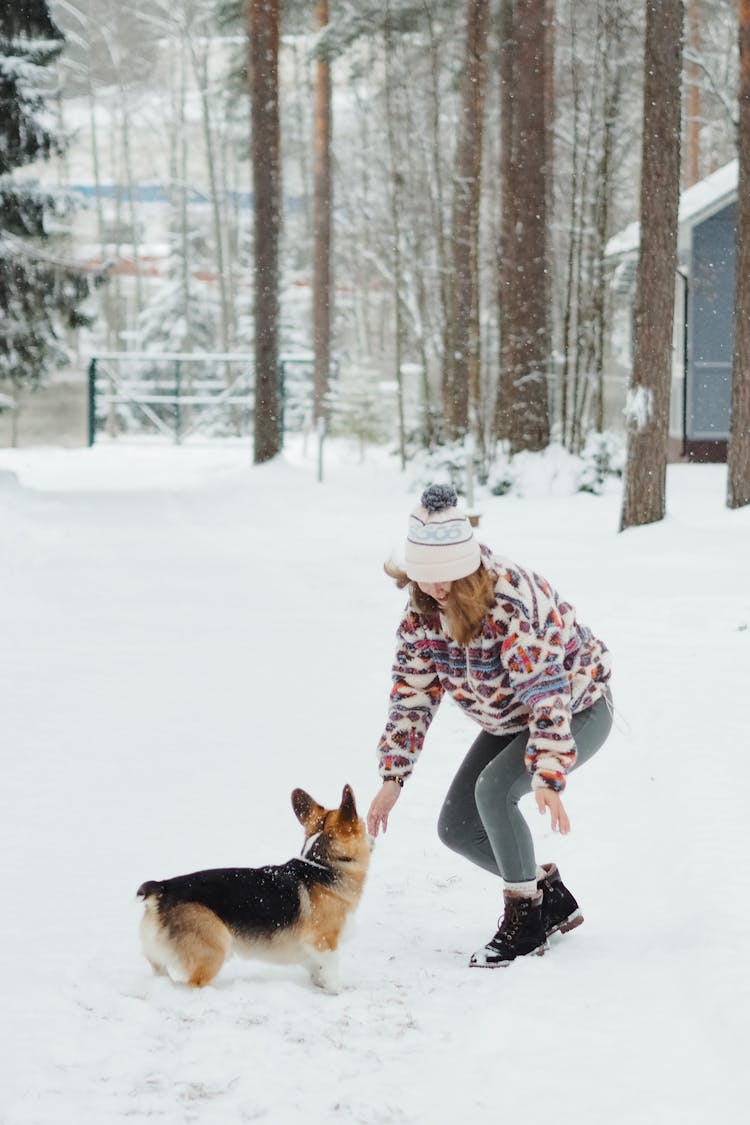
{"points": [[313, 863]]}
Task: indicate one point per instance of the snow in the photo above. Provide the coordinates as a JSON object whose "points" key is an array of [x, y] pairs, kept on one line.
{"points": [[186, 638], [639, 408], [697, 202]]}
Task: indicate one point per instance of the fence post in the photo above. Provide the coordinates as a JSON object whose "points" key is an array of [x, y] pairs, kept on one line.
{"points": [[92, 402], [282, 399], [249, 385], [177, 407], [321, 429]]}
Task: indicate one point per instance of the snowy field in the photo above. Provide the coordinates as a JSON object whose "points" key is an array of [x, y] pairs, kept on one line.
{"points": [[185, 639]]}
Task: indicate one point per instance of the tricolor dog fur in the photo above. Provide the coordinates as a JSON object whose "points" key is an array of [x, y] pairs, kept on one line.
{"points": [[293, 912]]}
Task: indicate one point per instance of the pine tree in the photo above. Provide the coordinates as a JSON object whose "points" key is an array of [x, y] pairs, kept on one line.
{"points": [[40, 293]]}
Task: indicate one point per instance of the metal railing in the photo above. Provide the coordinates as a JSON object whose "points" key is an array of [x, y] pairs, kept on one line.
{"points": [[172, 394], [176, 394]]}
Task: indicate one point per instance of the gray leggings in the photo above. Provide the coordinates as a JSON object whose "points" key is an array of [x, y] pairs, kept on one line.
{"points": [[480, 818]]}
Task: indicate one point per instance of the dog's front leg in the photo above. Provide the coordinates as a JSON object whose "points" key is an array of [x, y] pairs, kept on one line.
{"points": [[323, 966]]}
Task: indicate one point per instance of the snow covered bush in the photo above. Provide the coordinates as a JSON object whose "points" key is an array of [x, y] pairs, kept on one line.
{"points": [[603, 456], [502, 476]]}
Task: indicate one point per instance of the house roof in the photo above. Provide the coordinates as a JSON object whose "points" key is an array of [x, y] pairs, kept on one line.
{"points": [[697, 203]]}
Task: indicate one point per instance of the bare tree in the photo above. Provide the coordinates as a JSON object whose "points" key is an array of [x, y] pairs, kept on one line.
{"points": [[738, 457], [648, 401], [461, 371], [263, 27], [322, 223]]}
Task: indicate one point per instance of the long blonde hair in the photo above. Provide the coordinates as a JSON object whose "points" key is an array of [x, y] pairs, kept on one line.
{"points": [[468, 602]]}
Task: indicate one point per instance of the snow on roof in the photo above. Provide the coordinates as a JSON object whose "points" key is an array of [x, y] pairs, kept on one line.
{"points": [[698, 202]]}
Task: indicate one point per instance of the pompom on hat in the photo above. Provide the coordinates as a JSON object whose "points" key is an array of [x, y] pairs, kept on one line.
{"points": [[440, 544]]}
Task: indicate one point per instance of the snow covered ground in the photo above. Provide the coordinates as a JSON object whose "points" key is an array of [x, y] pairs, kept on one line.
{"points": [[185, 639]]}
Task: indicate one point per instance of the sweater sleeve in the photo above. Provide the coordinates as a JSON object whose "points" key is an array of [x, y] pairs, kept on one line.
{"points": [[534, 655], [415, 695]]}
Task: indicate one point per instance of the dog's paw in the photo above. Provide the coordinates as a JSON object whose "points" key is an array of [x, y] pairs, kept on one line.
{"points": [[323, 969], [333, 988]]}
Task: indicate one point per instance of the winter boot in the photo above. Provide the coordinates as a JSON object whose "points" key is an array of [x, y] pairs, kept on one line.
{"points": [[521, 932], [560, 911]]}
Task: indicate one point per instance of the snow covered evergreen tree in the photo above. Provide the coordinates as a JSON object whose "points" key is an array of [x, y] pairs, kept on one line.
{"points": [[40, 293], [181, 316]]}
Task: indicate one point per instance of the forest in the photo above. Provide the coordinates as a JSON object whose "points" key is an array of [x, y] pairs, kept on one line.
{"points": [[411, 202]]}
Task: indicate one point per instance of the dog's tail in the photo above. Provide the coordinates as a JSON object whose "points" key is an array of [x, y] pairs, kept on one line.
{"points": [[151, 887]]}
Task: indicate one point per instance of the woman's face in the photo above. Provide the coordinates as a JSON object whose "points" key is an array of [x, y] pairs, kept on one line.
{"points": [[437, 590]]}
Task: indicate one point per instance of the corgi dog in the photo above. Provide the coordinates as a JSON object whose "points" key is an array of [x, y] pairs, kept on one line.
{"points": [[293, 912]]}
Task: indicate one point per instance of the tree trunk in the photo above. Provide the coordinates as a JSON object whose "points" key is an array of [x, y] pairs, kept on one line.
{"points": [[693, 97], [461, 373], [200, 42], [322, 225], [179, 195], [528, 330], [506, 269], [549, 99], [396, 187], [105, 298], [648, 398], [131, 185], [263, 26], [570, 316], [432, 414], [738, 457], [612, 83]]}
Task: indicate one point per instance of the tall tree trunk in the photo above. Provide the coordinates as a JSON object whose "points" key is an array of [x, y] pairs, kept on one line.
{"points": [[571, 301], [264, 25], [437, 207], [529, 330], [612, 91], [549, 99], [583, 360], [693, 97], [106, 297], [738, 477], [644, 498], [396, 206], [200, 71], [461, 374], [322, 295], [508, 196], [132, 188]]}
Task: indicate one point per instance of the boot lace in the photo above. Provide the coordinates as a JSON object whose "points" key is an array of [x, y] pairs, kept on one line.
{"points": [[512, 920]]}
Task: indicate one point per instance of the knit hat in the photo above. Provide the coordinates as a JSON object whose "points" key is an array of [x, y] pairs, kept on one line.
{"points": [[440, 544]]}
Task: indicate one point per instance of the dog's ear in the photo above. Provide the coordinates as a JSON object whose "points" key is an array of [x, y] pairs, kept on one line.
{"points": [[348, 808], [305, 809]]}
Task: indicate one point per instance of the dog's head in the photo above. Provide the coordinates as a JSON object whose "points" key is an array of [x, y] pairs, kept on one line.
{"points": [[332, 835]]}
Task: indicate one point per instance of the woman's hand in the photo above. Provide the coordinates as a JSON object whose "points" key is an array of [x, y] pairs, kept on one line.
{"points": [[549, 799], [385, 799]]}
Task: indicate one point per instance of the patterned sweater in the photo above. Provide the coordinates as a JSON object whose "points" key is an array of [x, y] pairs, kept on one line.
{"points": [[531, 666]]}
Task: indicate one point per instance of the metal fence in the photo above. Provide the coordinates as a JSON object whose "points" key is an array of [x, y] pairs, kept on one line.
{"points": [[175, 395]]}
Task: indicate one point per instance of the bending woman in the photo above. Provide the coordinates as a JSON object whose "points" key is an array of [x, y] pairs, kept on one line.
{"points": [[511, 653]]}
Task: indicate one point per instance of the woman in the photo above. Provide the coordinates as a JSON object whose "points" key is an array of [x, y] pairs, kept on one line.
{"points": [[510, 652]]}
